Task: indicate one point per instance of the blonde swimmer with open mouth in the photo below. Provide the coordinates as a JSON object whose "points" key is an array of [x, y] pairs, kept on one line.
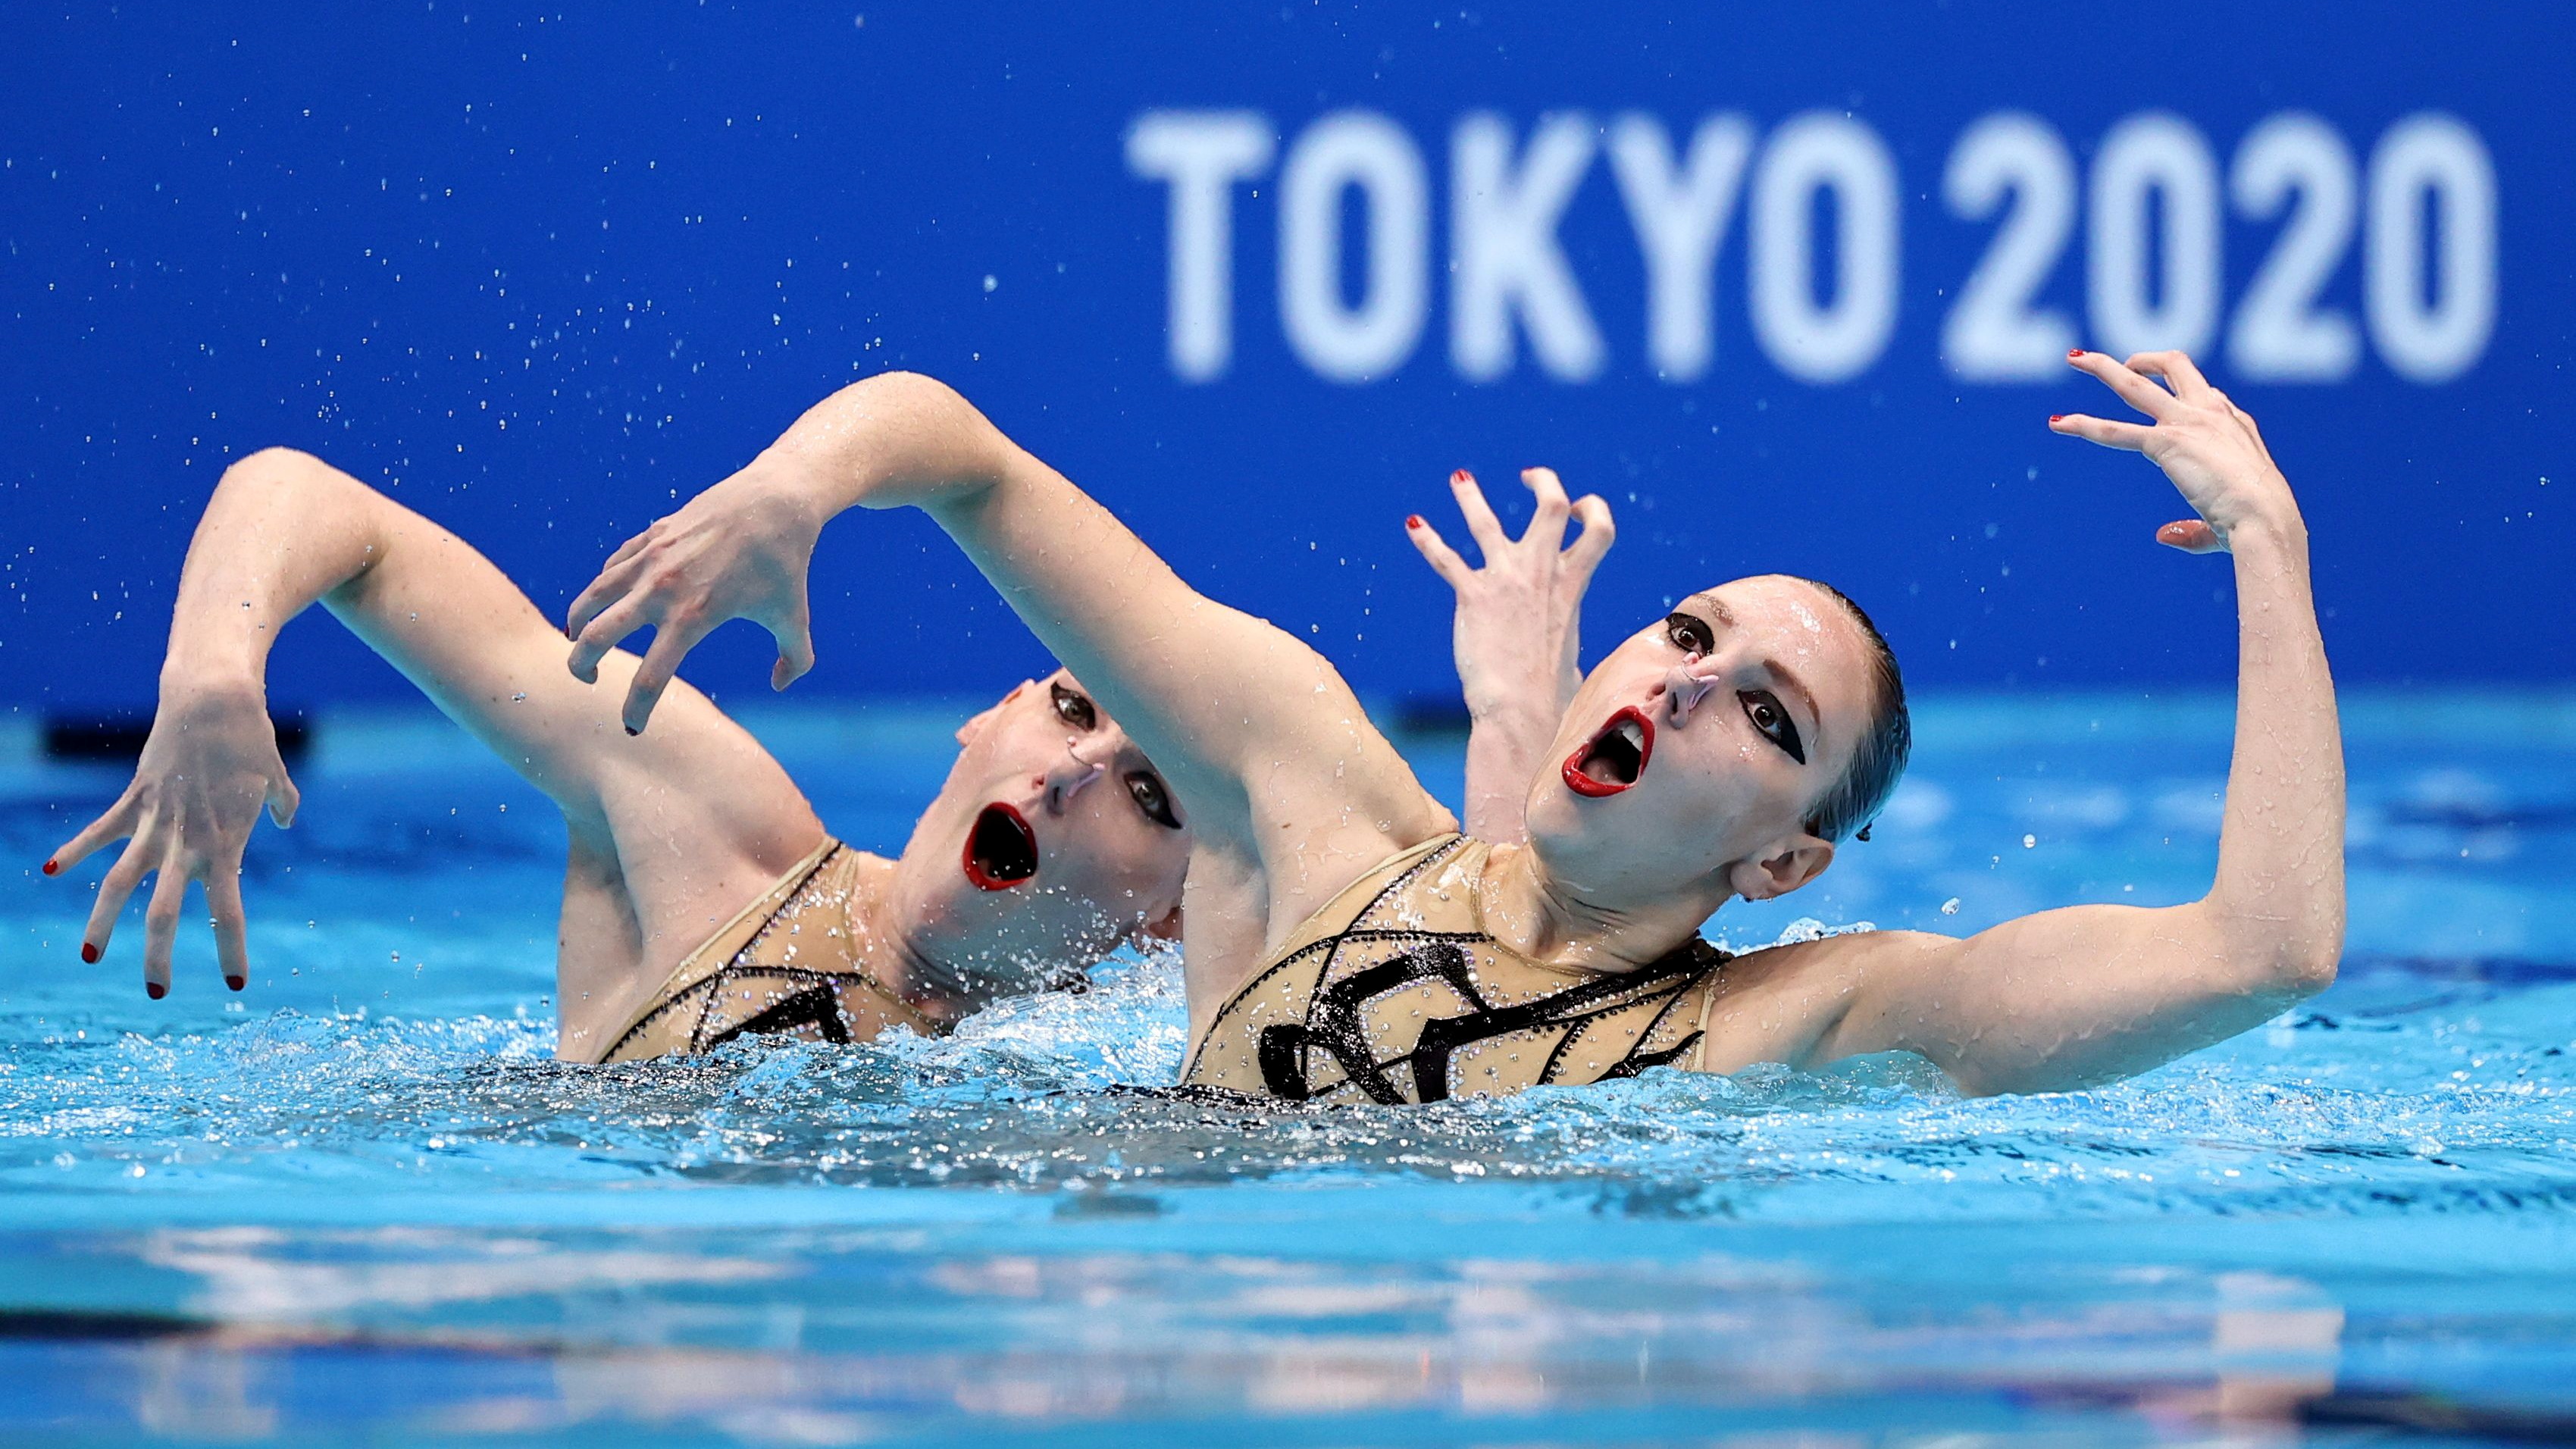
{"points": [[1344, 941]]}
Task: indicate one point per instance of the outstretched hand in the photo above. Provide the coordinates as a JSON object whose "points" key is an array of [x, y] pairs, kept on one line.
{"points": [[209, 766], [740, 550], [2206, 444], [1518, 623]]}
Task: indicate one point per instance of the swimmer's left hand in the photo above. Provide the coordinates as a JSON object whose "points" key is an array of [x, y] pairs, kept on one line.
{"points": [[2205, 443], [740, 550]]}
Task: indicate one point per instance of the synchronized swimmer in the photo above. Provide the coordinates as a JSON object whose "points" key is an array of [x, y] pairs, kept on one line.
{"points": [[1344, 942], [703, 900], [1342, 939]]}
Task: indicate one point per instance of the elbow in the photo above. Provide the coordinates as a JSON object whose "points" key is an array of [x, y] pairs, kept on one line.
{"points": [[270, 466], [2310, 967]]}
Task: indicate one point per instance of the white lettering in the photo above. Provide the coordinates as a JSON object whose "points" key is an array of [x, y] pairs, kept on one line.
{"points": [[1364, 151], [1504, 256], [2435, 338], [1827, 152], [2161, 154], [1680, 216], [1202, 154]]}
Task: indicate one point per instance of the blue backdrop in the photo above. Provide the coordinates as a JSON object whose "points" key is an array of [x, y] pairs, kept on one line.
{"points": [[1785, 283]]}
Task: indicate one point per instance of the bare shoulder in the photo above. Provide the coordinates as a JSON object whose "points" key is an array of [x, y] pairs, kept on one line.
{"points": [[1790, 1003]]}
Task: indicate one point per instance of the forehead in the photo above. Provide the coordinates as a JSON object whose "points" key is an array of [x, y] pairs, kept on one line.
{"points": [[1801, 627]]}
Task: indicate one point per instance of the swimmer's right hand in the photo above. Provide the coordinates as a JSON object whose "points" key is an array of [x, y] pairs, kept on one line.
{"points": [[209, 766], [740, 550], [1518, 625]]}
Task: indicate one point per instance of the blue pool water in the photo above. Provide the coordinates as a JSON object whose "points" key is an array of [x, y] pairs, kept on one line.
{"points": [[360, 1202]]}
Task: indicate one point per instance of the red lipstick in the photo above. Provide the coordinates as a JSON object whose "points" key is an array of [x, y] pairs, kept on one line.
{"points": [[1618, 752]]}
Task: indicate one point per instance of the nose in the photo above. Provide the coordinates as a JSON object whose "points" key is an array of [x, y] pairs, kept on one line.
{"points": [[1067, 777], [1683, 690]]}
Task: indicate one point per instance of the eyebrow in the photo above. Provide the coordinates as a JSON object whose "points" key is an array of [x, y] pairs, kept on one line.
{"points": [[1798, 687], [1710, 604]]}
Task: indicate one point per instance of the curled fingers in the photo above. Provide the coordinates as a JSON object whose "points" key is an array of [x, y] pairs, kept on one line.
{"points": [[2176, 368], [161, 917], [2131, 437], [116, 824], [1547, 523], [1584, 554], [2133, 389], [675, 637], [224, 912], [1436, 552], [601, 635], [113, 890], [1482, 525]]}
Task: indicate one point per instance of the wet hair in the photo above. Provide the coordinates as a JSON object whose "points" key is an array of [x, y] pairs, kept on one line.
{"points": [[1855, 799]]}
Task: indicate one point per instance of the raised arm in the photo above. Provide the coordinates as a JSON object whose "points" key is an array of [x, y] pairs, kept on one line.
{"points": [[2070, 997], [285, 530], [1517, 634], [1262, 742]]}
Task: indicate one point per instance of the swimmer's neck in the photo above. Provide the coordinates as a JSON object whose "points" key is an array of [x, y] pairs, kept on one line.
{"points": [[895, 952], [1529, 911]]}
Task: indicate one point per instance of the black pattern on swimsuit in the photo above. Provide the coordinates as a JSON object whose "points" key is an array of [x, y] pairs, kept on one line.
{"points": [[1336, 1022]]}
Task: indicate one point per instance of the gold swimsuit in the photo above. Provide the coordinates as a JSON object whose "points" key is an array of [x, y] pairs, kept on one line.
{"points": [[1395, 992], [781, 967]]}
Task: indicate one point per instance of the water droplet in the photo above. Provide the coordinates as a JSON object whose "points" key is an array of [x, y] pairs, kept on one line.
{"points": [[1950, 907]]}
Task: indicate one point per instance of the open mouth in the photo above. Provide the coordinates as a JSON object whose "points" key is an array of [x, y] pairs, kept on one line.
{"points": [[1612, 760], [1001, 851]]}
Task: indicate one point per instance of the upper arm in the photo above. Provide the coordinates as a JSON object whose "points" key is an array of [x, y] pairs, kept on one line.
{"points": [[456, 626], [2052, 1001], [1263, 741]]}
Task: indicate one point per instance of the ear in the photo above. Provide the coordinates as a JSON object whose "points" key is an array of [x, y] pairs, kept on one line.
{"points": [[1780, 867], [967, 732], [1166, 929]]}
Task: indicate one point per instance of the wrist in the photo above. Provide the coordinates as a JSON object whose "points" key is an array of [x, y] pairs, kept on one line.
{"points": [[196, 682], [2278, 529], [195, 670]]}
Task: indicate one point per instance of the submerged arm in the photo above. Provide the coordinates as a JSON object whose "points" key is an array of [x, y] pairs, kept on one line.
{"points": [[2068, 997]]}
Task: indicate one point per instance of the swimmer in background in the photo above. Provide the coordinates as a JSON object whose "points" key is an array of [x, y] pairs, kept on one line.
{"points": [[1344, 943], [702, 899]]}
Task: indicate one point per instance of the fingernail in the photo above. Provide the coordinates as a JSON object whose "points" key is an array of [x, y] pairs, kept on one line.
{"points": [[1461, 476], [2074, 352], [155, 990], [2057, 417], [54, 865], [236, 982], [1411, 520], [89, 953]]}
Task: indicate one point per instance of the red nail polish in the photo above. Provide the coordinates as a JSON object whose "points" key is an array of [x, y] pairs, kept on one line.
{"points": [[2057, 417], [155, 990], [1461, 476], [236, 982], [2074, 352], [1413, 520], [89, 953], [52, 865]]}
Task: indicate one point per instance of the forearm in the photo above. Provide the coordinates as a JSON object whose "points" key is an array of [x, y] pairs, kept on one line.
{"points": [[1507, 740], [281, 531], [2279, 895]]}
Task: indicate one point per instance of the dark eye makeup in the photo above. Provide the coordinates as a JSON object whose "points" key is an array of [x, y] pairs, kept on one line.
{"points": [[1146, 789], [1763, 708], [1073, 708], [1690, 633]]}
